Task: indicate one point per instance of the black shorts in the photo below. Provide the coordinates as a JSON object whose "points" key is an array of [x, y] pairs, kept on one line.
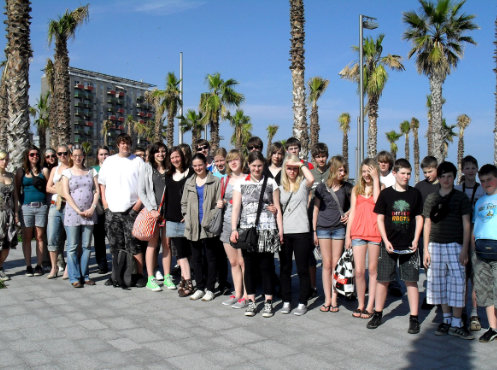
{"points": [[180, 247], [408, 266]]}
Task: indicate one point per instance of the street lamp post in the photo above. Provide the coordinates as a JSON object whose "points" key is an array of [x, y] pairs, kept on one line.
{"points": [[370, 24], [180, 132]]}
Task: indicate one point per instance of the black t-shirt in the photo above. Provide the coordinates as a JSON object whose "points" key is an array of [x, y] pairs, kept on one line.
{"points": [[174, 192], [400, 209], [329, 213], [426, 188]]}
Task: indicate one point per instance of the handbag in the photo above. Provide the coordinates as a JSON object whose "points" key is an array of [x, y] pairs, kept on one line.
{"points": [[249, 238], [145, 223], [441, 209], [486, 249], [343, 277], [215, 226]]}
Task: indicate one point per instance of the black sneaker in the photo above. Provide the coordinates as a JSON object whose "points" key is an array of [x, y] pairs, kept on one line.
{"points": [[38, 270], [141, 282], [413, 325], [29, 271], [488, 336], [443, 329], [461, 332], [375, 320]]}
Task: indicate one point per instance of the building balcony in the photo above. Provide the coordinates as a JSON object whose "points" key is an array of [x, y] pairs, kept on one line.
{"points": [[121, 119], [142, 121], [78, 104], [120, 110], [121, 94], [110, 109], [120, 127], [112, 118], [89, 87], [88, 97], [79, 94], [149, 115], [111, 92], [78, 113], [141, 114], [89, 123], [79, 86]]}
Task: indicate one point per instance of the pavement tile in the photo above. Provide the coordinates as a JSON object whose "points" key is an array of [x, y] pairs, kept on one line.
{"points": [[140, 335], [193, 361], [124, 344], [92, 324], [10, 359]]}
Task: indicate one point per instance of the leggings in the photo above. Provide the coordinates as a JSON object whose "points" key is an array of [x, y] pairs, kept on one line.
{"points": [[256, 262], [205, 275]]}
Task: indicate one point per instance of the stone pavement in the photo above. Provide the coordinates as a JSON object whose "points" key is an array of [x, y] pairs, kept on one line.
{"points": [[48, 324]]}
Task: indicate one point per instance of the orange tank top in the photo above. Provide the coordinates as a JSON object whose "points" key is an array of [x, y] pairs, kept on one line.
{"points": [[364, 225]]}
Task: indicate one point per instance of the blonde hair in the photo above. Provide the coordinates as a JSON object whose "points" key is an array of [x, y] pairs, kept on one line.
{"points": [[361, 184], [3, 154], [285, 182], [335, 163], [234, 154]]}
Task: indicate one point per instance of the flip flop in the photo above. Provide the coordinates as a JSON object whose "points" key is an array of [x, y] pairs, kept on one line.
{"points": [[325, 308], [366, 314], [334, 309], [357, 313]]}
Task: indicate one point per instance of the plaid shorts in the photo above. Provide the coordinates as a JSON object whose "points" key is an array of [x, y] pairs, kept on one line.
{"points": [[446, 276], [485, 279], [387, 263]]}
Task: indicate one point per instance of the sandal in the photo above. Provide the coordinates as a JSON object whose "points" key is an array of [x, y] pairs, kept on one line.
{"points": [[325, 308], [77, 284], [187, 288], [366, 314], [334, 309], [357, 313]]}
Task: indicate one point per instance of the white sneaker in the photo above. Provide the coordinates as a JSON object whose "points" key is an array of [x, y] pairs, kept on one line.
{"points": [[158, 275], [208, 296], [286, 308], [300, 310], [268, 309], [5, 277], [197, 295]]}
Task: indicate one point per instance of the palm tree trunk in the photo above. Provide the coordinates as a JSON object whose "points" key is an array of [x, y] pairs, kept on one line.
{"points": [[61, 90], [52, 120], [416, 153], [406, 147], [345, 148], [19, 52], [269, 143], [42, 135], [436, 83], [314, 129], [297, 66], [460, 151], [214, 133], [429, 137], [4, 114], [372, 127], [170, 131]]}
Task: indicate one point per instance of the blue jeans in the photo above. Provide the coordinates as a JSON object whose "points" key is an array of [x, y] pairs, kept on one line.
{"points": [[78, 267], [54, 228]]}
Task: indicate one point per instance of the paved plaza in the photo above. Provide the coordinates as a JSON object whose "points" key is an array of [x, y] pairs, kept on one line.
{"points": [[48, 324]]}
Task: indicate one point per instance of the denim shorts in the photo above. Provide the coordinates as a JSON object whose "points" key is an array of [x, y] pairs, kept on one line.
{"points": [[34, 216], [175, 229], [338, 234], [357, 242]]}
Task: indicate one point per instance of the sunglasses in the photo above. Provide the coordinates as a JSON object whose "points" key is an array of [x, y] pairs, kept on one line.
{"points": [[199, 148], [252, 147], [61, 153], [50, 156], [34, 155]]}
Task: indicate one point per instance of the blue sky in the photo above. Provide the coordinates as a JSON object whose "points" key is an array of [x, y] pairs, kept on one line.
{"points": [[249, 41]]}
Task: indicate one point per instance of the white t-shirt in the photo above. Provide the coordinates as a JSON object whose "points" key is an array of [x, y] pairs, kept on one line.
{"points": [[120, 175], [388, 180]]}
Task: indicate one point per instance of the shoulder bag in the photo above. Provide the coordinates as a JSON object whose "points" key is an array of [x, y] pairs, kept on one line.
{"points": [[334, 196], [145, 223], [216, 225]]}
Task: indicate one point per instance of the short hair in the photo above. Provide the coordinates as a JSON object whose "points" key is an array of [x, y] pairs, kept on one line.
{"points": [[488, 169], [446, 167], [142, 149], [401, 163], [292, 141], [155, 149], [385, 156], [255, 156], [429, 162], [200, 142], [234, 154], [124, 137], [187, 151], [319, 149], [184, 165], [221, 152], [469, 159], [200, 156], [255, 141], [103, 147]]}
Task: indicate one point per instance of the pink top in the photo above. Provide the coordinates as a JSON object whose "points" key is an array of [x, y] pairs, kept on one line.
{"points": [[364, 225]]}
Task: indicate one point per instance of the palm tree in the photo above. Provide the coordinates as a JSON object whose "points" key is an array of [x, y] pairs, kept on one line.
{"points": [[414, 129], [4, 114], [143, 131], [86, 145], [429, 136], [52, 106], [463, 121], [448, 135], [271, 131], [193, 122], [106, 126], [375, 78], [62, 30], [405, 127], [392, 137], [40, 112], [344, 121], [18, 52], [172, 100], [130, 123], [438, 35], [297, 67], [241, 123], [317, 86], [215, 104], [156, 99]]}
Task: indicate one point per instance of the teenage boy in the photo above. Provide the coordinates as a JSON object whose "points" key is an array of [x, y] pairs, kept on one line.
{"points": [[293, 146], [474, 191], [398, 210], [446, 239], [203, 146], [319, 154], [385, 162], [485, 235]]}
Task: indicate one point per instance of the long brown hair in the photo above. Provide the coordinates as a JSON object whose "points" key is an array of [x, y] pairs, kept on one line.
{"points": [[26, 165], [335, 163]]}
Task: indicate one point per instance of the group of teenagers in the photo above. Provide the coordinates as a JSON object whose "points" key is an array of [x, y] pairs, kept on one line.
{"points": [[296, 207]]}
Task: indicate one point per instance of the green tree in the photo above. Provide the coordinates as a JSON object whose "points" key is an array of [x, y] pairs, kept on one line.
{"points": [[52, 106], [155, 98], [63, 29], [18, 53], [106, 126], [375, 77], [271, 131], [414, 129], [344, 122], [242, 128], [317, 86], [438, 34], [215, 104], [405, 128], [463, 121], [297, 68], [392, 137], [448, 135], [130, 124], [193, 122], [172, 100], [40, 113]]}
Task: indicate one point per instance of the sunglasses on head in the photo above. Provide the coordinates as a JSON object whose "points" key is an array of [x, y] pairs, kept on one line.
{"points": [[61, 153], [34, 155]]}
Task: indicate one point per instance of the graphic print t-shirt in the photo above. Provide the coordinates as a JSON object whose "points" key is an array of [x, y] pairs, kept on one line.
{"points": [[485, 217], [400, 209]]}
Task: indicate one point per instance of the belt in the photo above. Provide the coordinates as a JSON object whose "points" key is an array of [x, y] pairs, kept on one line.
{"points": [[61, 204], [35, 204]]}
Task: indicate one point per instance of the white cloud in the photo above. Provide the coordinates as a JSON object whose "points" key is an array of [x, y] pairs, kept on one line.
{"points": [[153, 7]]}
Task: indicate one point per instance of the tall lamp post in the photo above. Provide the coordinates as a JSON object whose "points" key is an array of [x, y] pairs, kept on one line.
{"points": [[370, 24], [180, 133]]}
